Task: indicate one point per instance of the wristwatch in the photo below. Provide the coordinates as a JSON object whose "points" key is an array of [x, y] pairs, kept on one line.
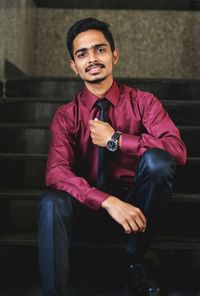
{"points": [[113, 143]]}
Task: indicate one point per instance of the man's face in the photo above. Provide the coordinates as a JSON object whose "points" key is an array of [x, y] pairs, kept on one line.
{"points": [[93, 58]]}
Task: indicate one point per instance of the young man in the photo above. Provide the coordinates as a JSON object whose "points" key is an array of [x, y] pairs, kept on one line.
{"points": [[112, 147]]}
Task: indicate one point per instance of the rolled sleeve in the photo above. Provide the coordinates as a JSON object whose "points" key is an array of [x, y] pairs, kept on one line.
{"points": [[129, 144], [95, 198]]}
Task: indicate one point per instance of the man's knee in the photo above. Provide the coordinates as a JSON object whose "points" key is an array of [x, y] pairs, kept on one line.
{"points": [[56, 202], [158, 162]]}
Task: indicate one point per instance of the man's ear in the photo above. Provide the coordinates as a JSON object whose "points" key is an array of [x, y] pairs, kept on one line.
{"points": [[115, 56], [73, 66]]}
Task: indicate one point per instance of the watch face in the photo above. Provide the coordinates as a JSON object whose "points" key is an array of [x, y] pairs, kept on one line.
{"points": [[112, 145]]}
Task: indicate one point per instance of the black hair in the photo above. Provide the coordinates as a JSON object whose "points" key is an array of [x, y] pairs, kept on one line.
{"points": [[85, 25]]}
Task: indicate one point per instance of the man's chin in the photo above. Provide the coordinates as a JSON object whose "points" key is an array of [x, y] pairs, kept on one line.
{"points": [[97, 80]]}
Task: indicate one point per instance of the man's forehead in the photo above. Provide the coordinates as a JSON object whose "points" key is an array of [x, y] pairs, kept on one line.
{"points": [[90, 47], [89, 39]]}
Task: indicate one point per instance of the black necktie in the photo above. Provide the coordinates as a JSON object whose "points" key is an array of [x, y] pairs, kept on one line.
{"points": [[103, 153]]}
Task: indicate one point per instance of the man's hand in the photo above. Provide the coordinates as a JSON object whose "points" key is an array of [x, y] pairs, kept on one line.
{"points": [[101, 132], [131, 218]]}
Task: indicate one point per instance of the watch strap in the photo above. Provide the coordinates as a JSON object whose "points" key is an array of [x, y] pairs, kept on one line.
{"points": [[116, 135]]}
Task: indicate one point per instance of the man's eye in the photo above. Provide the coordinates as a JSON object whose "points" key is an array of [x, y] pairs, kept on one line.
{"points": [[100, 50], [81, 55]]}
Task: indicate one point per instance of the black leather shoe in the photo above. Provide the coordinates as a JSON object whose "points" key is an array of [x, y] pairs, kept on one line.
{"points": [[142, 280]]}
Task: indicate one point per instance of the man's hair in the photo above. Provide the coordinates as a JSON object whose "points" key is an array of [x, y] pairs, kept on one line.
{"points": [[85, 25]]}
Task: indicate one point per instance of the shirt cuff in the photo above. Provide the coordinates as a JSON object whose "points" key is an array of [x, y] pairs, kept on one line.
{"points": [[129, 144], [95, 198]]}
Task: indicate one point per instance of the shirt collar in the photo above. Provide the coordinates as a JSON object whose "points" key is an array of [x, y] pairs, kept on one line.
{"points": [[112, 95]]}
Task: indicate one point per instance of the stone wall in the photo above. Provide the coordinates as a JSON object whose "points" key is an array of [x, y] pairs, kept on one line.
{"points": [[161, 44], [152, 44], [17, 31]]}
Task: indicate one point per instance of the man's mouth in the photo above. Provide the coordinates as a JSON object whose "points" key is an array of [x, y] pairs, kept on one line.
{"points": [[94, 68]]}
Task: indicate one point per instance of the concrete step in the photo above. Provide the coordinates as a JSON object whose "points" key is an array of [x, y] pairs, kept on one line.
{"points": [[18, 195], [160, 242], [43, 87], [41, 110], [35, 138], [18, 214], [30, 110], [25, 138], [168, 89], [120, 4], [93, 289], [26, 171], [23, 171], [174, 258]]}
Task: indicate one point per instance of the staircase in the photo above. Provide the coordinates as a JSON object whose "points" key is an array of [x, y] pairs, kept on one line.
{"points": [[26, 110]]}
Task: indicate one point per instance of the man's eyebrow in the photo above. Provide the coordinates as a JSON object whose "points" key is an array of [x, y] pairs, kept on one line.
{"points": [[91, 47]]}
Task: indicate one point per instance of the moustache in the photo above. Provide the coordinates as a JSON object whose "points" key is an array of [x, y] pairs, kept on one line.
{"points": [[93, 65]]}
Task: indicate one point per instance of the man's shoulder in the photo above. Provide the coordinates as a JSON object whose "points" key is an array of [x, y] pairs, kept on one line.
{"points": [[135, 93], [67, 107]]}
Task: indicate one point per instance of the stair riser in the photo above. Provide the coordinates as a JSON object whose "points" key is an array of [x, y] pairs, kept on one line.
{"points": [[112, 4], [88, 265], [36, 140], [24, 140], [36, 112], [22, 174], [38, 88], [20, 216], [171, 89], [29, 174]]}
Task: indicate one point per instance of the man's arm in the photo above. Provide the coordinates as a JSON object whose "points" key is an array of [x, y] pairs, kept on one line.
{"points": [[160, 132], [129, 217], [59, 172]]}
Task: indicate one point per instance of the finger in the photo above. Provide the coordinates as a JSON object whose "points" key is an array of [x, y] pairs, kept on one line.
{"points": [[134, 227], [144, 220], [91, 121], [127, 228], [94, 122], [142, 217], [140, 224]]}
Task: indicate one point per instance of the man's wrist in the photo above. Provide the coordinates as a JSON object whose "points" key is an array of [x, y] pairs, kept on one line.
{"points": [[107, 201], [113, 142]]}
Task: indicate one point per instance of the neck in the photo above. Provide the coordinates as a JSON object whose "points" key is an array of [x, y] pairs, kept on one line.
{"points": [[99, 89]]}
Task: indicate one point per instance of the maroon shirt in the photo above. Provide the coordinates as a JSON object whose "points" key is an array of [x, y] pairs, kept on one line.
{"points": [[73, 158]]}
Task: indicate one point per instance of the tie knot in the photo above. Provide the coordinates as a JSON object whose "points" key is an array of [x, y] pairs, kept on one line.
{"points": [[102, 104]]}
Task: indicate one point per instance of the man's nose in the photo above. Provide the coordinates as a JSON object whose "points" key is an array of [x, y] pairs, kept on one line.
{"points": [[92, 57]]}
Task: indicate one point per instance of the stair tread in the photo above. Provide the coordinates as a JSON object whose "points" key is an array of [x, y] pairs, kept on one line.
{"points": [[35, 194], [182, 89], [44, 155], [163, 242], [23, 156], [63, 100], [76, 79], [25, 125], [128, 4], [46, 99]]}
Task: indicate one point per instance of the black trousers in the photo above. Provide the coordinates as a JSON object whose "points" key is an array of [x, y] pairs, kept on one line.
{"points": [[57, 210]]}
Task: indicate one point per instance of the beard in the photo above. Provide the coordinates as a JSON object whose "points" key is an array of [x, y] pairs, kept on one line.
{"points": [[97, 80]]}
